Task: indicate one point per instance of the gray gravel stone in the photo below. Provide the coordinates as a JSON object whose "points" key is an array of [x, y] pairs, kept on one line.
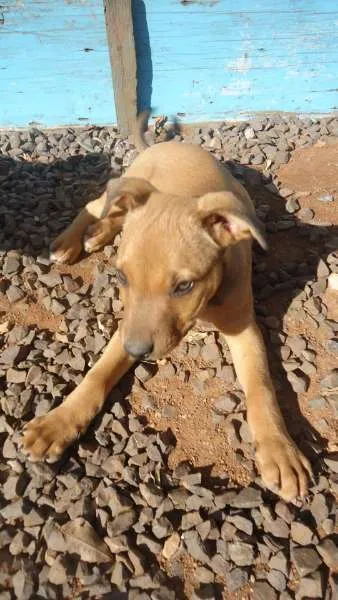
{"points": [[51, 279], [292, 205], [278, 527], [249, 133], [57, 574], [204, 575], [297, 344], [16, 376], [317, 403], [14, 354], [190, 520], [331, 462], [195, 547], [14, 294], [306, 214], [277, 580], [121, 523], [241, 523], [152, 494], [311, 586], [326, 198], [11, 265], [219, 565], [241, 554], [301, 533], [171, 545], [261, 590], [225, 404], [322, 269], [328, 550], [146, 540], [298, 380], [332, 346], [306, 560], [330, 381], [249, 497], [236, 579], [279, 562], [143, 373]]}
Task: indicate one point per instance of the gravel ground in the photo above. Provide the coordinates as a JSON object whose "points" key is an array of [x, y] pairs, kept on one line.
{"points": [[160, 499]]}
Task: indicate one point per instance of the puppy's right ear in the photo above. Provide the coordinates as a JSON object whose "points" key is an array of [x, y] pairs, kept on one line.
{"points": [[126, 194]]}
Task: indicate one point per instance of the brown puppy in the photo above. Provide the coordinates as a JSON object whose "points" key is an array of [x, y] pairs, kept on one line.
{"points": [[185, 254]]}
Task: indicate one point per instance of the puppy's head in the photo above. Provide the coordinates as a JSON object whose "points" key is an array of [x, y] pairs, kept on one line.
{"points": [[170, 261]]}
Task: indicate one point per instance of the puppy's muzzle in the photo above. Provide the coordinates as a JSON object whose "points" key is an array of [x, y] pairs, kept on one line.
{"points": [[139, 349]]}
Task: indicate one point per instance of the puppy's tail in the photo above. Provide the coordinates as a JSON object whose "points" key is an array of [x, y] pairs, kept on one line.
{"points": [[141, 127]]}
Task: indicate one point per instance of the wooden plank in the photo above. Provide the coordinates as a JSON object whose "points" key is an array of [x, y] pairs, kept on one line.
{"points": [[121, 44]]}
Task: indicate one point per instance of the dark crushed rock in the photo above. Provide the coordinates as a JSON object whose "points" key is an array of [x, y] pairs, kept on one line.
{"points": [[241, 554], [292, 205], [277, 580], [236, 579], [311, 586], [226, 404], [328, 550], [330, 381], [109, 513], [249, 497], [306, 560], [301, 533], [263, 591]]}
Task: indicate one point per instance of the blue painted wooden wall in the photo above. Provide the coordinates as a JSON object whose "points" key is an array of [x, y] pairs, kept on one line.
{"points": [[204, 59], [229, 58]]}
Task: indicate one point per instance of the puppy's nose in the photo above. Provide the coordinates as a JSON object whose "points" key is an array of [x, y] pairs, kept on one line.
{"points": [[138, 348]]}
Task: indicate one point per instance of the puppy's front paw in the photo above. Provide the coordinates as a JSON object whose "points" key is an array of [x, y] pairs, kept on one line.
{"points": [[46, 438], [66, 248], [284, 469]]}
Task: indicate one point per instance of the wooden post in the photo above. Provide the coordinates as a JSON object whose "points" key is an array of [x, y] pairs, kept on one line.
{"points": [[119, 23]]}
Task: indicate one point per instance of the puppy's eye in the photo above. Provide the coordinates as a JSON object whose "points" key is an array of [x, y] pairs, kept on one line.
{"points": [[121, 278], [183, 288]]}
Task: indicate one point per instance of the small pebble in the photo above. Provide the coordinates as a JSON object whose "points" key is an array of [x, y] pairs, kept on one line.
{"points": [[333, 281], [326, 198], [292, 205], [306, 214]]}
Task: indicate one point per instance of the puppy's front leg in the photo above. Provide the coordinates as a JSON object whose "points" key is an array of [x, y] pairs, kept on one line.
{"points": [[281, 464], [47, 437], [68, 245]]}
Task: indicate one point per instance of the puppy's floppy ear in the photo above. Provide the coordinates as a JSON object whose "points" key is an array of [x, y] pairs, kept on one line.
{"points": [[126, 194], [226, 220]]}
